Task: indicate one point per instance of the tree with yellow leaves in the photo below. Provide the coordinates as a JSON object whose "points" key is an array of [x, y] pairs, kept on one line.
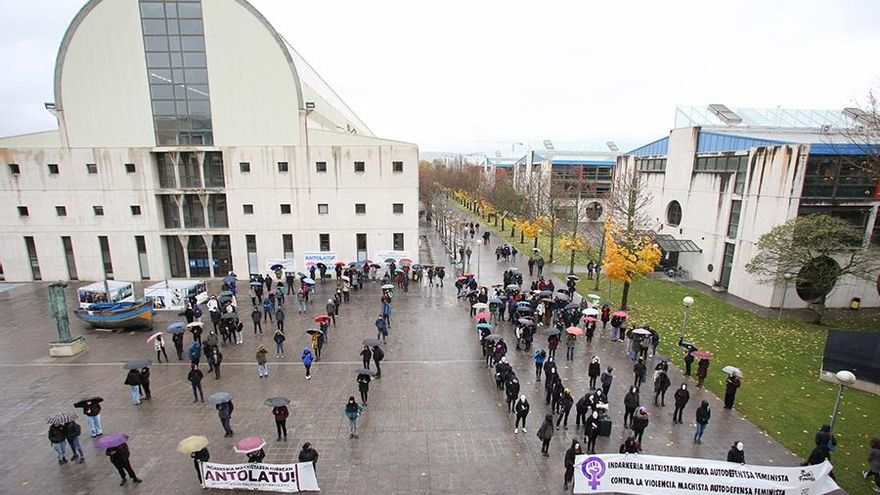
{"points": [[530, 228], [630, 250]]}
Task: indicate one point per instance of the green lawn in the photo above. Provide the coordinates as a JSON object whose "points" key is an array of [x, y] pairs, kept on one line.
{"points": [[780, 359]]}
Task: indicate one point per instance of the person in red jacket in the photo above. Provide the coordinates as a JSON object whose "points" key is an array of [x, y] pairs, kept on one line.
{"points": [[281, 414]]}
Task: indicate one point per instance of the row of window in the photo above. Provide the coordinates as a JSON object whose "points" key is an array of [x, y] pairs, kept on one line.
{"points": [[70, 259], [320, 167], [651, 164], [736, 164], [61, 211], [324, 208], [674, 212], [91, 168]]}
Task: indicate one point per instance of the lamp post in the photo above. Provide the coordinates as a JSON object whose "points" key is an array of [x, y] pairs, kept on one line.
{"points": [[787, 277], [844, 379], [688, 301]]}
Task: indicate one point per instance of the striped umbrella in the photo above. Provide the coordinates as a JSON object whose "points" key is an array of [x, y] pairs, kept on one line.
{"points": [[61, 418]]}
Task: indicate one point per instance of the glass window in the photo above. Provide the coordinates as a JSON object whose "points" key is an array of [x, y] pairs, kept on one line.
{"points": [[244, 167], [194, 59], [214, 169], [171, 9], [174, 43], [323, 209], [176, 259], [158, 59], [61, 211], [99, 210], [32, 257], [199, 265], [222, 253], [285, 209], [105, 256], [170, 212], [188, 170], [398, 241], [92, 168], [176, 59], [156, 43], [53, 168], [397, 208], [172, 26], [190, 10], [161, 91], [135, 210], [360, 208], [192, 43], [69, 257], [153, 10], [163, 107], [673, 213], [320, 167], [154, 26], [14, 169], [324, 242], [248, 209], [282, 166], [190, 26], [193, 214], [733, 222], [359, 166], [23, 211], [287, 245], [143, 263], [217, 217], [397, 166], [200, 107]]}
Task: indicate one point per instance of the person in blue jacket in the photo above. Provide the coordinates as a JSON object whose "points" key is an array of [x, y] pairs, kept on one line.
{"points": [[307, 357]]}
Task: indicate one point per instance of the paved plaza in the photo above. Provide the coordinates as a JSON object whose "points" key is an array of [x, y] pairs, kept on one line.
{"points": [[435, 422]]}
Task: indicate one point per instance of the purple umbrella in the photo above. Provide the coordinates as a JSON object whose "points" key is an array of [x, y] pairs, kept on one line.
{"points": [[111, 440]]}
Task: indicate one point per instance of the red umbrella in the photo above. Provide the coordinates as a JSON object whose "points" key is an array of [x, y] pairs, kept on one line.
{"points": [[249, 444], [459, 279], [310, 263], [622, 314], [340, 263], [322, 319], [574, 331], [702, 354], [469, 274], [368, 262], [405, 261], [482, 316], [590, 319]]}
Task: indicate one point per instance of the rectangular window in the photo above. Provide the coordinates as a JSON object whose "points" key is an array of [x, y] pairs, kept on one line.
{"points": [[105, 256], [14, 169], [32, 257], [245, 167], [397, 208], [324, 241], [214, 169], [69, 258], [248, 209], [53, 168], [359, 166], [135, 209], [251, 245], [143, 263], [170, 212], [217, 211], [99, 211], [282, 167], [61, 211], [323, 209], [397, 166], [285, 209], [398, 241], [287, 245], [733, 223], [130, 168], [360, 208], [92, 168], [361, 240], [23, 211], [320, 167]]}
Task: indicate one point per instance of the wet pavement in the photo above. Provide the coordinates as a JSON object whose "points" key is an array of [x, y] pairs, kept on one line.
{"points": [[435, 422]]}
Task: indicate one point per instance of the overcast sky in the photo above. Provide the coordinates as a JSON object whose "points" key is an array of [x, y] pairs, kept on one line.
{"points": [[478, 75]]}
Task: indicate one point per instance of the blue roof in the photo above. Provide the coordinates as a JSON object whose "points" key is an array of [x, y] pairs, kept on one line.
{"points": [[710, 142], [597, 163], [658, 147], [844, 149]]}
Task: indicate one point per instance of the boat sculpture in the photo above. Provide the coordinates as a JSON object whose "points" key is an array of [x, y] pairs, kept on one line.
{"points": [[117, 315]]}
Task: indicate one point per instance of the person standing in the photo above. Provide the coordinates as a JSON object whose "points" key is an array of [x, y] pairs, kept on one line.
{"points": [[630, 404], [331, 310], [382, 328], [591, 431], [366, 356], [639, 370], [159, 346], [702, 371], [281, 413], [57, 439], [308, 454], [262, 365], [363, 381], [703, 415], [521, 408], [682, 396], [307, 357], [198, 458], [72, 432], [119, 457], [301, 301], [545, 433], [570, 342], [279, 318], [145, 383], [352, 411], [733, 383], [568, 460], [736, 453], [133, 380], [661, 384], [177, 339], [257, 319], [378, 356], [215, 360], [511, 390], [268, 308], [639, 423], [195, 379], [688, 362], [606, 380], [540, 356], [279, 343], [565, 403], [593, 371], [92, 410], [873, 463], [224, 412]]}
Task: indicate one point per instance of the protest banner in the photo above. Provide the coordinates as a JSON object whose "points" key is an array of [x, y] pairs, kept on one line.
{"points": [[288, 265], [659, 475], [384, 254], [310, 258], [286, 478]]}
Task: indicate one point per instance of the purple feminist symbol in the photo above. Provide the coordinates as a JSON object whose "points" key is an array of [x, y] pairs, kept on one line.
{"points": [[593, 469]]}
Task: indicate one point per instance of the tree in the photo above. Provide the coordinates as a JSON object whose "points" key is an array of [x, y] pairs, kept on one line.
{"points": [[629, 245], [819, 250]]}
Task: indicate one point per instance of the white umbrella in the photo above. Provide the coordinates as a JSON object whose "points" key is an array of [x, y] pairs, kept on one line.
{"points": [[594, 297], [641, 331], [732, 370], [195, 324], [590, 312], [153, 337], [480, 306]]}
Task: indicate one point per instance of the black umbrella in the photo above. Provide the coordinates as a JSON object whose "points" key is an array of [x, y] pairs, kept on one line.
{"points": [[82, 402], [573, 277], [551, 331], [546, 293], [219, 398], [321, 265], [364, 371], [493, 336], [314, 331], [371, 342], [276, 266], [136, 364], [227, 316], [276, 401], [524, 309], [572, 306]]}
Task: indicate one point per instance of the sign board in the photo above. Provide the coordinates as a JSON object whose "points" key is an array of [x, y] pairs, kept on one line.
{"points": [[381, 255], [659, 475], [312, 257], [287, 264], [285, 478]]}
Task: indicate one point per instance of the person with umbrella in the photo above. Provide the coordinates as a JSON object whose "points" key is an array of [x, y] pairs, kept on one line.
{"points": [[92, 409], [133, 380], [732, 383], [119, 457], [280, 412], [279, 339], [702, 371], [72, 431], [307, 358], [363, 381], [324, 327], [177, 339], [57, 439], [223, 404], [197, 448]]}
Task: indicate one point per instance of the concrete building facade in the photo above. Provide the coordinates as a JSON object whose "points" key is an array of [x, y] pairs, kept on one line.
{"points": [[197, 142]]}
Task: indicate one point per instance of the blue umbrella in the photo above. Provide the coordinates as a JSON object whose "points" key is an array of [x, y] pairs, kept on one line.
{"points": [[522, 304], [229, 280], [176, 330], [177, 325], [481, 326], [417, 266], [254, 283]]}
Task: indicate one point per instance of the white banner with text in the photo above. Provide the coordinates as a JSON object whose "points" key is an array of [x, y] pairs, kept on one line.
{"points": [[311, 258], [286, 478], [659, 475]]}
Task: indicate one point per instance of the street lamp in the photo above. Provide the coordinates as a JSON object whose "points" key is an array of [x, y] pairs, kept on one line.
{"points": [[688, 301], [844, 379], [787, 277]]}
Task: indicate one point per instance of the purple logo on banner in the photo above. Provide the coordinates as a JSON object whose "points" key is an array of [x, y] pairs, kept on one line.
{"points": [[593, 469]]}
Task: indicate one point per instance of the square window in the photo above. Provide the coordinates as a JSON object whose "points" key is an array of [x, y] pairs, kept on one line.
{"points": [[14, 169], [324, 241], [360, 208], [323, 209], [320, 167], [53, 168], [398, 241], [245, 167], [92, 168], [248, 209], [397, 208], [99, 211], [23, 211], [285, 209], [61, 211], [135, 210], [130, 168], [359, 167], [397, 166], [283, 167]]}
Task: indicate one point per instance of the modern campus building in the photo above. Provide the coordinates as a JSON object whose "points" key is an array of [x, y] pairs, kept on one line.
{"points": [[723, 177], [193, 140]]}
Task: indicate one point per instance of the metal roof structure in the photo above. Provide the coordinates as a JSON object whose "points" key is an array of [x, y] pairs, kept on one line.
{"points": [[670, 244], [780, 118]]}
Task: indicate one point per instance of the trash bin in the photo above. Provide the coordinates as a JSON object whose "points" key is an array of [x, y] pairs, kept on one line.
{"points": [[855, 303]]}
